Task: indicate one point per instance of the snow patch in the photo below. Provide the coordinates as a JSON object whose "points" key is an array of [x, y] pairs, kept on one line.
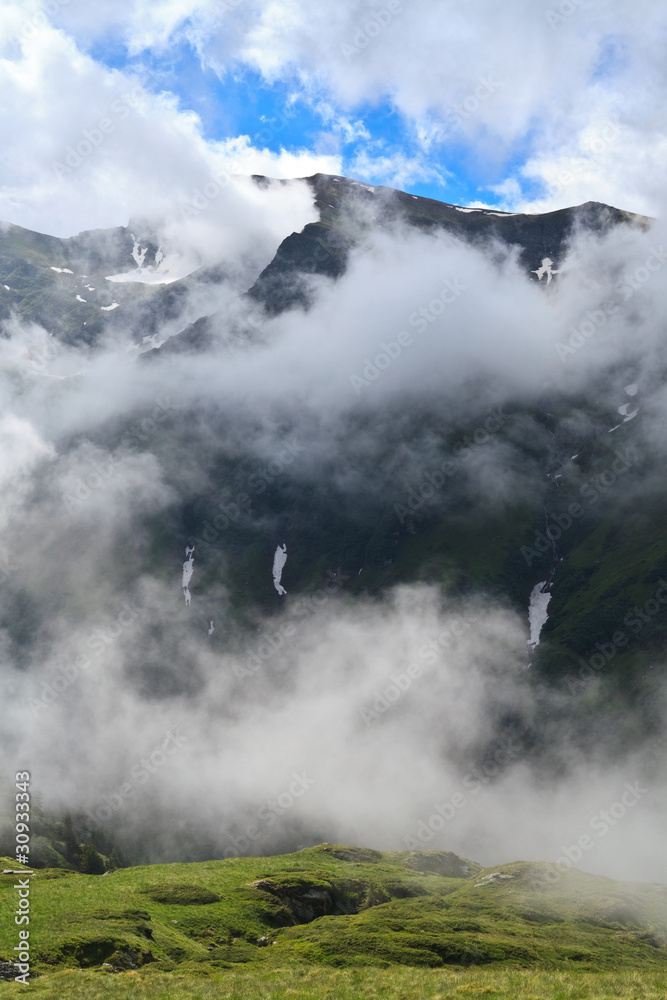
{"points": [[188, 570], [152, 341], [490, 879], [631, 390], [623, 410], [163, 272], [211, 628], [279, 560], [138, 254], [79, 299], [466, 209], [537, 612], [106, 309], [62, 270], [546, 267]]}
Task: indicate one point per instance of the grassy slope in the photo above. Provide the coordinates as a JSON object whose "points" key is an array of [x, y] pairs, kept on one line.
{"points": [[207, 918]]}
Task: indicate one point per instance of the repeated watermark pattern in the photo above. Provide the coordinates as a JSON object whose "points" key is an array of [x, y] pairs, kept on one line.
{"points": [[600, 824], [40, 19], [435, 479], [230, 509], [596, 319], [429, 654], [592, 491], [472, 783], [139, 774], [270, 641], [420, 320], [370, 28], [595, 142], [268, 814], [565, 9], [460, 113], [71, 668], [634, 621], [100, 472]]}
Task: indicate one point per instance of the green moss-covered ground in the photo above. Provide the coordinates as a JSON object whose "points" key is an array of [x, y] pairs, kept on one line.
{"points": [[309, 917]]}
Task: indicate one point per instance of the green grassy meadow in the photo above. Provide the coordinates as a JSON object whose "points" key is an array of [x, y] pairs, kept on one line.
{"points": [[336, 921]]}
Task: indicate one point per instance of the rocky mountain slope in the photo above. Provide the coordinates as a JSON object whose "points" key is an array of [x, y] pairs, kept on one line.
{"points": [[547, 505]]}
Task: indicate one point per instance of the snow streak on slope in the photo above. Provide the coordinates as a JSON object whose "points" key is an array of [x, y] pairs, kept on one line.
{"points": [[279, 560]]}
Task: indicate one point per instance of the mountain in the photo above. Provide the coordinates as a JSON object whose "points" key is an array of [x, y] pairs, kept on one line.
{"points": [[44, 278], [349, 209], [168, 452]]}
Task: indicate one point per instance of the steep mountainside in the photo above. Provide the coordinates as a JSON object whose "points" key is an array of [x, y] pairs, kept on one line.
{"points": [[244, 524], [396, 534]]}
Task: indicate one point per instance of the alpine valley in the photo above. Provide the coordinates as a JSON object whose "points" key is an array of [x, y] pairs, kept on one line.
{"points": [[358, 540]]}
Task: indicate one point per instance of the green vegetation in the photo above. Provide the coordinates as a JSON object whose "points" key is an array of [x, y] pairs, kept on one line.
{"points": [[295, 983], [335, 919]]}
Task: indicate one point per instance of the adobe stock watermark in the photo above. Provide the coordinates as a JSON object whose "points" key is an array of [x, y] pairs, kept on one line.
{"points": [[139, 775], [635, 620], [564, 10], [597, 318], [270, 641], [402, 682], [38, 359], [435, 480], [595, 142], [591, 491], [222, 8], [199, 199], [230, 510], [458, 114], [40, 19], [420, 320], [473, 782], [92, 138], [69, 669], [267, 815], [600, 824], [372, 26], [85, 485]]}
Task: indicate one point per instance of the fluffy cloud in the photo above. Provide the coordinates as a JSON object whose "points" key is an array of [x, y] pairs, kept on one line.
{"points": [[87, 147], [538, 76], [539, 87], [479, 334]]}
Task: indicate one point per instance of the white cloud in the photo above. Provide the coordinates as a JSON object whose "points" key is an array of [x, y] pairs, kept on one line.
{"points": [[87, 147], [486, 77], [395, 169], [606, 162]]}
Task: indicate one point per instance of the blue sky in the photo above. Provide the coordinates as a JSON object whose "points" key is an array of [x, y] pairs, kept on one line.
{"points": [[527, 107], [281, 115]]}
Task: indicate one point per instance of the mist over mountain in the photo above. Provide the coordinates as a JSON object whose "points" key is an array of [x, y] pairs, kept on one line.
{"points": [[340, 517]]}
